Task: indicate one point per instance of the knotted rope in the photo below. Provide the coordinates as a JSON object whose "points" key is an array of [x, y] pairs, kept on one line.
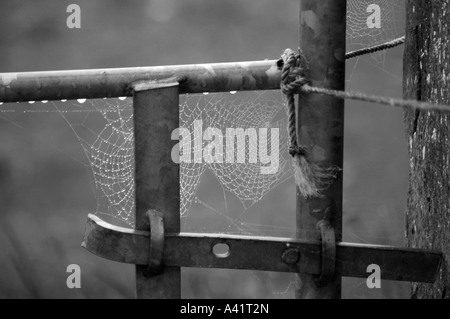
{"points": [[292, 80], [309, 177]]}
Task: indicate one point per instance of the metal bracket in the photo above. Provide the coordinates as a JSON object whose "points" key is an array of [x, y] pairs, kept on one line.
{"points": [[322, 259], [156, 246], [328, 253]]}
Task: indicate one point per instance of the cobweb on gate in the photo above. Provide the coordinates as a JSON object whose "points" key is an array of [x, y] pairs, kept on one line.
{"points": [[109, 147], [104, 129], [105, 132], [359, 35]]}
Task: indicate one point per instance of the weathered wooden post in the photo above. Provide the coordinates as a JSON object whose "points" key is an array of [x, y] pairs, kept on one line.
{"points": [[320, 126], [156, 116], [427, 78]]}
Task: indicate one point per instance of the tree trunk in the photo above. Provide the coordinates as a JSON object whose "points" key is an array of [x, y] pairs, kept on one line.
{"points": [[427, 78]]}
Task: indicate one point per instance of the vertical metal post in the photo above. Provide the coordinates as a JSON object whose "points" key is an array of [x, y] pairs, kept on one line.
{"points": [[156, 115], [321, 126]]}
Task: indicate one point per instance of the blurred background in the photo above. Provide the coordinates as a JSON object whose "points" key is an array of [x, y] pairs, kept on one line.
{"points": [[46, 185]]}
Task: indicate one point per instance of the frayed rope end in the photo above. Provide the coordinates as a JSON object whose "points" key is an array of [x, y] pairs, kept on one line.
{"points": [[310, 178]]}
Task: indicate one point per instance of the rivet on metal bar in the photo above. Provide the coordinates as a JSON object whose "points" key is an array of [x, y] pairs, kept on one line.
{"points": [[291, 256], [156, 247], [328, 253]]}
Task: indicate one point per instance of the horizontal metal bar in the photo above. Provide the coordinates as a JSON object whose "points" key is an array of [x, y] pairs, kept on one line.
{"points": [[100, 83], [260, 253]]}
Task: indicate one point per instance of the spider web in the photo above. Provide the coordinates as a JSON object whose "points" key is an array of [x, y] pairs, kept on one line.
{"points": [[360, 36], [104, 129], [109, 147]]}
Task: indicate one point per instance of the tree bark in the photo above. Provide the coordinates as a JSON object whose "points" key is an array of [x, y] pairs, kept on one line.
{"points": [[427, 78]]}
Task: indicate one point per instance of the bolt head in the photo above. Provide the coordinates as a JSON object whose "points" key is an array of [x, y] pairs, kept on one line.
{"points": [[291, 256]]}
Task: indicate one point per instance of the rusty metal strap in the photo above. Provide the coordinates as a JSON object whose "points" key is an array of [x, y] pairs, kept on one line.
{"points": [[156, 244], [260, 253], [328, 253]]}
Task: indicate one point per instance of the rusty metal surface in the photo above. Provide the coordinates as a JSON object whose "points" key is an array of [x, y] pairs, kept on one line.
{"points": [[100, 83], [156, 245], [400, 264], [156, 116], [328, 241], [321, 126], [260, 253]]}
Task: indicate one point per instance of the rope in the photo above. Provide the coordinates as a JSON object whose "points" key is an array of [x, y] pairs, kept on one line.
{"points": [[377, 99], [292, 80], [309, 177], [381, 47]]}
